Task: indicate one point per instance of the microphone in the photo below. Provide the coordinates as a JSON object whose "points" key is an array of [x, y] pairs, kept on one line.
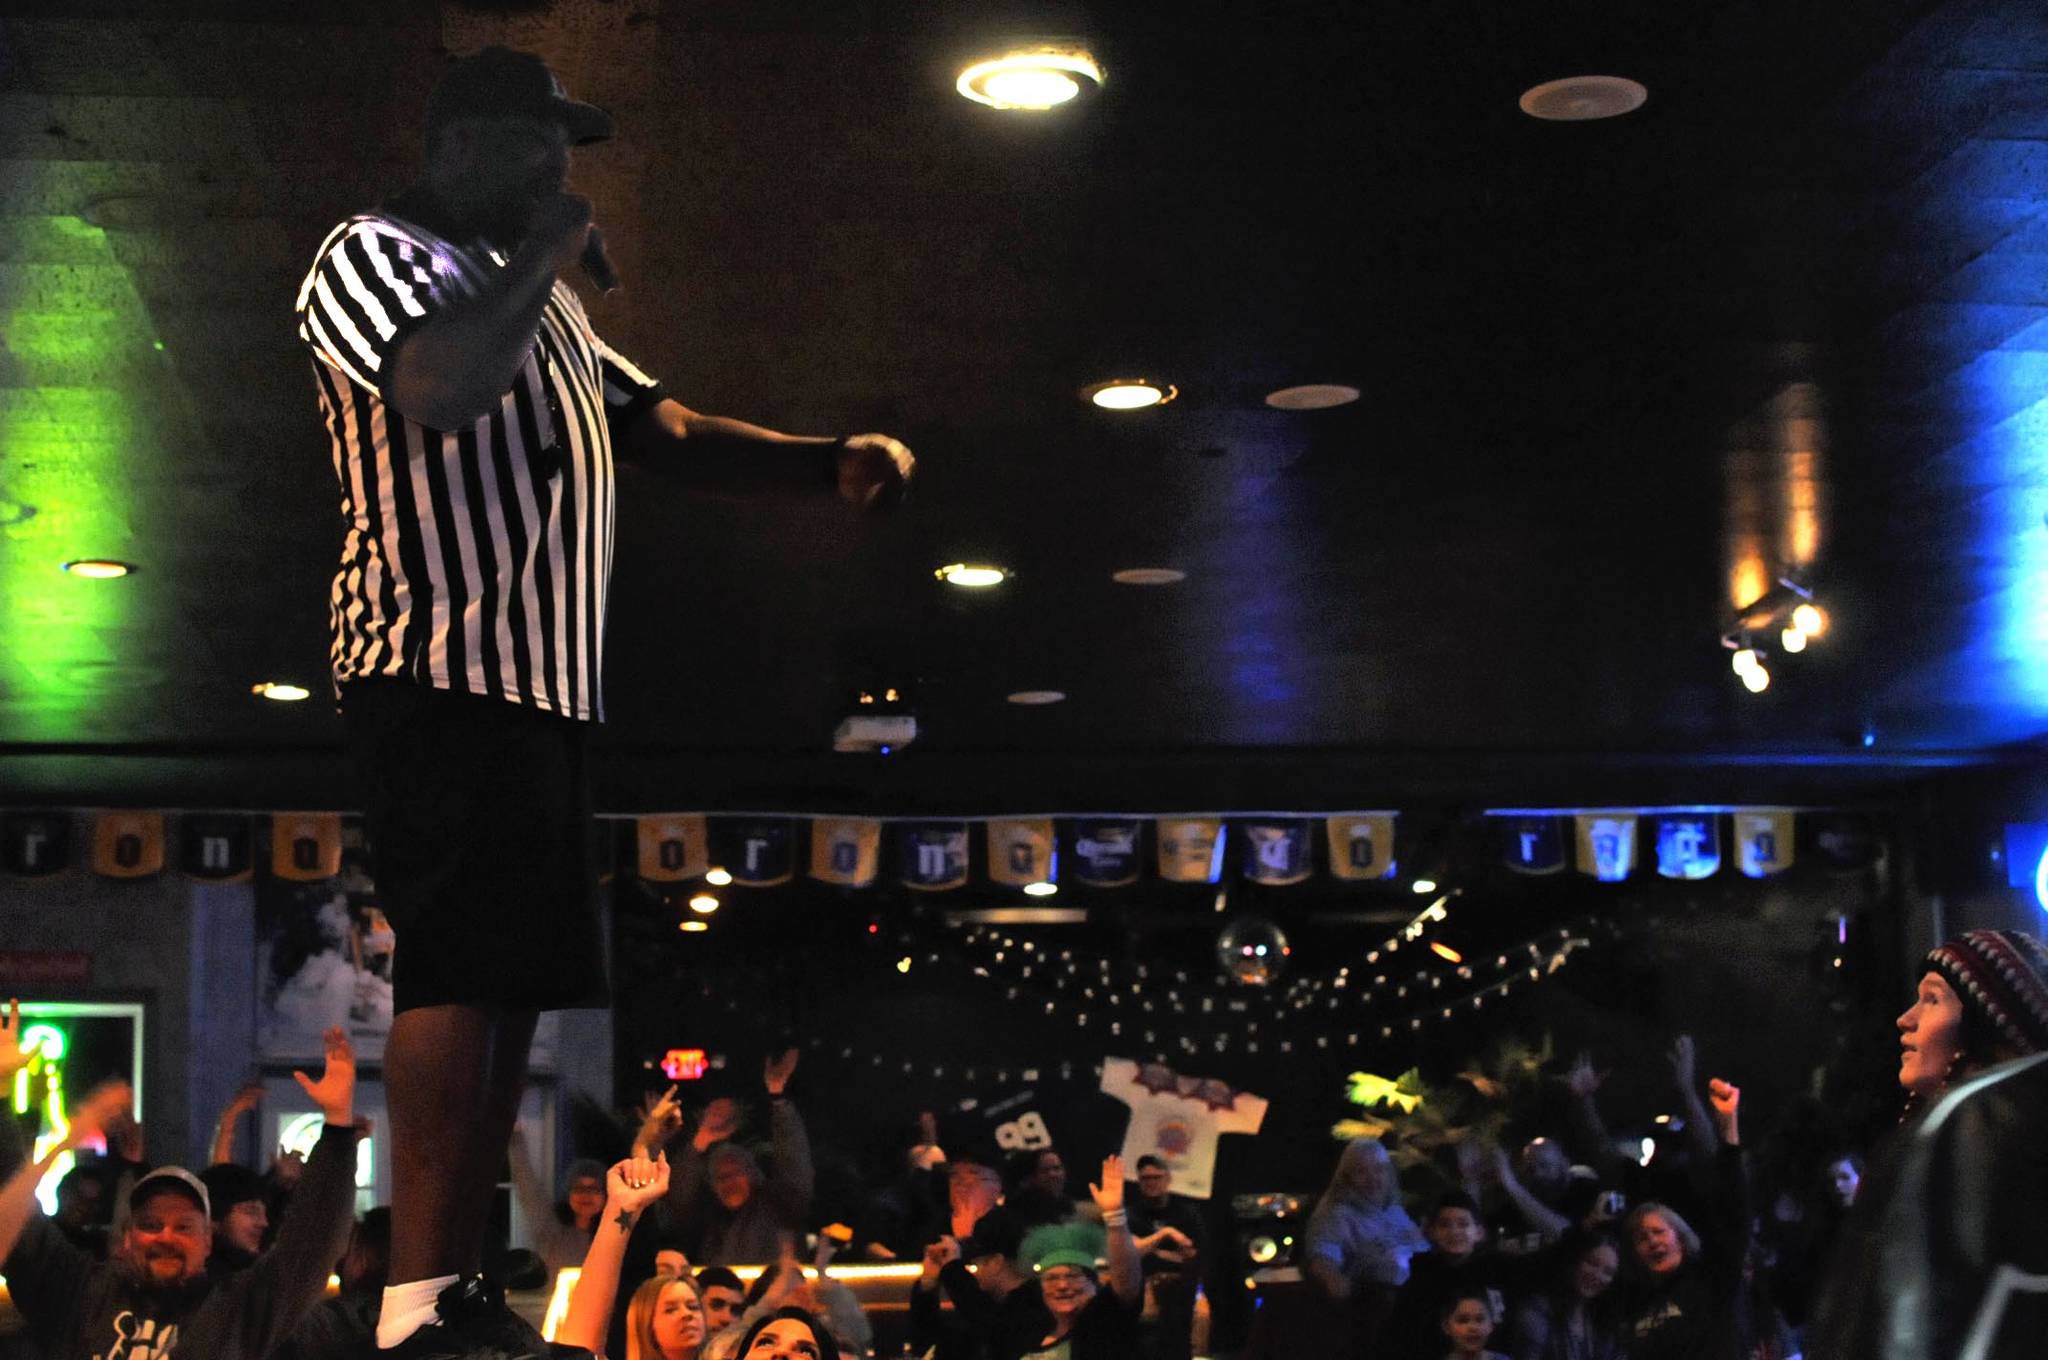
{"points": [[597, 266]]}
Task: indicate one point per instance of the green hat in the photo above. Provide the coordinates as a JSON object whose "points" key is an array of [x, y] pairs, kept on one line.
{"points": [[1064, 1244]]}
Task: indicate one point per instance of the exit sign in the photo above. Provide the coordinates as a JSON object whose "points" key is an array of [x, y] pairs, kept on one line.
{"points": [[684, 1064]]}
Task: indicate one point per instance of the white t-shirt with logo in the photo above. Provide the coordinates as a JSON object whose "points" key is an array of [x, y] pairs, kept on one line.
{"points": [[1178, 1119]]}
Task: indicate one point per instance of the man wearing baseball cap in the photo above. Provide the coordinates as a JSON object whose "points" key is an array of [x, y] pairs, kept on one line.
{"points": [[476, 420], [153, 1299]]}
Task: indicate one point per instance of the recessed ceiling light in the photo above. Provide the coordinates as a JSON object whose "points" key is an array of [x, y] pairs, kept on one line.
{"points": [[98, 568], [1031, 697], [1312, 397], [280, 691], [718, 878], [1148, 576], [1036, 80], [972, 575], [1129, 394], [1583, 99], [1423, 885], [1040, 889], [694, 927], [703, 904]]}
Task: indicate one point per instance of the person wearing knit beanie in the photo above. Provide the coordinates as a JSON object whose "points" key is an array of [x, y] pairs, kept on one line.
{"points": [[1982, 1000]]}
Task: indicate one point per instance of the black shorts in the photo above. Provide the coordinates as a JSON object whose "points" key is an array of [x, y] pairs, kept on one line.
{"points": [[480, 831]]}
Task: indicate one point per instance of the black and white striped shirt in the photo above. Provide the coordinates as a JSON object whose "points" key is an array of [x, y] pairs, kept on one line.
{"points": [[477, 559]]}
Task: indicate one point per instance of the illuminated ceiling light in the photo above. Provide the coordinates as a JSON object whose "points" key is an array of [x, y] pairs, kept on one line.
{"points": [[694, 927], [1041, 889], [280, 691], [1583, 99], [1031, 697], [903, 964], [1445, 952], [703, 904], [1792, 640], [1036, 79], [1129, 394], [1745, 660], [98, 568], [1312, 397], [1423, 885], [972, 575], [1809, 619], [1148, 576], [1756, 679], [718, 878]]}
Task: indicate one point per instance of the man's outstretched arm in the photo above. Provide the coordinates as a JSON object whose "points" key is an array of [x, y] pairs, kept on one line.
{"points": [[731, 458]]}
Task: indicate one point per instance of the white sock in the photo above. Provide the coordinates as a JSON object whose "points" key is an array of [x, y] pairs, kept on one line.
{"points": [[408, 1307]]}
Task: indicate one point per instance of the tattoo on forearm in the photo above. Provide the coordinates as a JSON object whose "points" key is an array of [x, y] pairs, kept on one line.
{"points": [[625, 1221]]}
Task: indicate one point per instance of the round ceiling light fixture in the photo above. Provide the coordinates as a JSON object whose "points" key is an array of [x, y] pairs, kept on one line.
{"points": [[98, 568], [1032, 80], [281, 691], [1042, 888], [1129, 394], [1148, 576], [718, 878], [703, 904], [1032, 698], [972, 575], [1312, 397], [693, 927], [1583, 99]]}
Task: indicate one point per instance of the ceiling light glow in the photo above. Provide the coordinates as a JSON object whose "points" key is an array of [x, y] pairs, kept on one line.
{"points": [[1148, 576], [1423, 885], [1792, 640], [280, 691], [1034, 80], [1583, 99], [718, 878], [1129, 394], [1312, 397], [1756, 679], [1809, 619], [1745, 660], [1033, 697], [98, 568], [703, 904], [972, 575], [694, 927], [1040, 889]]}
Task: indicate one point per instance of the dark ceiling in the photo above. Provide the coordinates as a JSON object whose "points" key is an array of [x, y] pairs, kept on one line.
{"points": [[1790, 317]]}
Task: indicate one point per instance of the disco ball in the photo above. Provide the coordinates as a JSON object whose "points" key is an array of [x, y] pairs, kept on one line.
{"points": [[1252, 951]]}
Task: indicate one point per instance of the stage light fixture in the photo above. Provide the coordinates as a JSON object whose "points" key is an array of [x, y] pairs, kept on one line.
{"points": [[1032, 80], [1756, 679], [1129, 394], [1809, 619], [1792, 640], [972, 575]]}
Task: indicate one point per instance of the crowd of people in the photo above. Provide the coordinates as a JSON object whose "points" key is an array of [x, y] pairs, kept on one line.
{"points": [[1564, 1249]]}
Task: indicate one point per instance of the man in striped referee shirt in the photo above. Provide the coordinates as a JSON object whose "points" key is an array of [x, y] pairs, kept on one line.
{"points": [[475, 417]]}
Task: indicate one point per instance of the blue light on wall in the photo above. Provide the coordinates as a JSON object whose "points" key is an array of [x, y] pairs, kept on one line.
{"points": [[2026, 858]]}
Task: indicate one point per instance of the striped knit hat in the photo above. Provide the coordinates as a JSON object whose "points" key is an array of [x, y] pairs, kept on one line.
{"points": [[2002, 978]]}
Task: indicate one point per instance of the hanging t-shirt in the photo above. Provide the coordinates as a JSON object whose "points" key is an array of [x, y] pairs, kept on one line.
{"points": [[1178, 1119]]}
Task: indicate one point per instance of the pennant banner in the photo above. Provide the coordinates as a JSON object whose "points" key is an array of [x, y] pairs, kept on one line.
{"points": [[1277, 852], [934, 855], [1190, 849], [1763, 842], [215, 848], [1106, 851], [305, 846], [1362, 847], [33, 844], [1688, 844], [673, 847], [758, 852], [1021, 852], [1607, 844], [1532, 845], [845, 850], [128, 844]]}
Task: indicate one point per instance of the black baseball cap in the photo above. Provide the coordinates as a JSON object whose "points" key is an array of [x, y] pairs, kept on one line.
{"points": [[497, 81], [996, 1233]]}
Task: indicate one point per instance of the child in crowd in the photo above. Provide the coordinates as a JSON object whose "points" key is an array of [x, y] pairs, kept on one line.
{"points": [[1467, 1323], [1456, 1263]]}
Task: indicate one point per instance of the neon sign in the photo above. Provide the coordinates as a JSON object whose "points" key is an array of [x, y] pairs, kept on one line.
{"points": [[684, 1064]]}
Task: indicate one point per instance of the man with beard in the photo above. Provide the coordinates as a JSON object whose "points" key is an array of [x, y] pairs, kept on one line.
{"points": [[476, 421], [153, 1299]]}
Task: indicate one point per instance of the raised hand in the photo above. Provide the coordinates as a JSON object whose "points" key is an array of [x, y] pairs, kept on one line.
{"points": [[1726, 1099], [335, 1092], [100, 1112], [1582, 1081], [632, 1185], [13, 1057], [874, 470], [288, 1169], [1109, 1195], [721, 1121], [660, 1118], [776, 1070], [1684, 1073], [124, 1136]]}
